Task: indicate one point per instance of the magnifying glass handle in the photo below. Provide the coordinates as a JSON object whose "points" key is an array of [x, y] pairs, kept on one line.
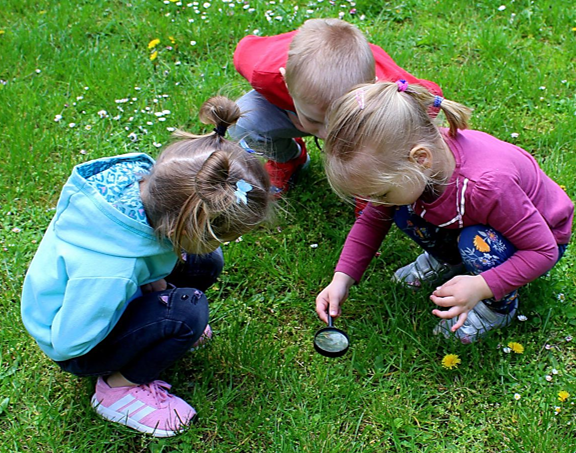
{"points": [[330, 323]]}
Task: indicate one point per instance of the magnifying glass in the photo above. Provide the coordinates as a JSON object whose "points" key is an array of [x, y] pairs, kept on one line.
{"points": [[330, 341]]}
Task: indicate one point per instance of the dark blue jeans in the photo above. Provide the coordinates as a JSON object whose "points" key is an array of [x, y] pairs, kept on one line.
{"points": [[477, 247], [156, 329]]}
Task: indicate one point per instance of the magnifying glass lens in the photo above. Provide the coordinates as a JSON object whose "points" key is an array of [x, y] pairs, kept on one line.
{"points": [[332, 341]]}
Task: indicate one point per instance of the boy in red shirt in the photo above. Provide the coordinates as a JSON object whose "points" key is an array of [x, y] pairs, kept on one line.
{"points": [[295, 76]]}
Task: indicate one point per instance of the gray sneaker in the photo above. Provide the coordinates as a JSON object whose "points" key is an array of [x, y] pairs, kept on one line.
{"points": [[427, 270], [480, 320]]}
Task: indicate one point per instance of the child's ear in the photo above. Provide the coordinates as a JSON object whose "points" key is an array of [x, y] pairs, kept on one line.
{"points": [[421, 155], [283, 74]]}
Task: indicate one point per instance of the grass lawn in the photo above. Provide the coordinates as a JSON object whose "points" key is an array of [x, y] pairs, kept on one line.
{"points": [[78, 80]]}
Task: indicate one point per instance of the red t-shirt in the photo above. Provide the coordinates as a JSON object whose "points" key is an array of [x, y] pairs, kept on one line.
{"points": [[259, 58]]}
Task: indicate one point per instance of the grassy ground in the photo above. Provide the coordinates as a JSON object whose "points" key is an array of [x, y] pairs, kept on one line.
{"points": [[259, 387]]}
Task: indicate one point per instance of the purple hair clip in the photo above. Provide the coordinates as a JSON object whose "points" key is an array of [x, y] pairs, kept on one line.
{"points": [[402, 85], [360, 99], [438, 101]]}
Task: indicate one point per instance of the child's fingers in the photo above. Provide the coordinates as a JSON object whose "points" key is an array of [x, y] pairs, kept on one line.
{"points": [[461, 320], [322, 306], [335, 311], [448, 314], [447, 301]]}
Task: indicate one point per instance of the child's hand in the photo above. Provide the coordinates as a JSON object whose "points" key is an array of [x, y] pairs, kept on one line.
{"points": [[333, 295], [158, 285], [460, 294]]}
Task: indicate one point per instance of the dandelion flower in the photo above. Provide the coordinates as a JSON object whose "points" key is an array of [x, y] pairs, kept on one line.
{"points": [[517, 396], [516, 347], [563, 395], [154, 55], [153, 43], [451, 361]]}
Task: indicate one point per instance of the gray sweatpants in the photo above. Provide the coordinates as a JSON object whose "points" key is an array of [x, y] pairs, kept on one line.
{"points": [[266, 128]]}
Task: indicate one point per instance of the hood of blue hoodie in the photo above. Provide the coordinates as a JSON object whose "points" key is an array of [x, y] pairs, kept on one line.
{"points": [[83, 214]]}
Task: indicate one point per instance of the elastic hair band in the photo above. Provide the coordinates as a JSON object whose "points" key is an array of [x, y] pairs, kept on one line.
{"points": [[438, 101], [221, 129], [402, 85], [241, 192], [360, 99]]}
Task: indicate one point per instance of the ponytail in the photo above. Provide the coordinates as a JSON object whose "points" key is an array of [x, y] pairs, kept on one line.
{"points": [[457, 115], [191, 194]]}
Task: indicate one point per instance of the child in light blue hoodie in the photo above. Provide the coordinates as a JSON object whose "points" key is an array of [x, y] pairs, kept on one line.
{"points": [[116, 288]]}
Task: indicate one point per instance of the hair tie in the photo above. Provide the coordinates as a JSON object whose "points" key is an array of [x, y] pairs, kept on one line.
{"points": [[241, 192], [360, 99], [221, 129], [402, 85], [438, 101]]}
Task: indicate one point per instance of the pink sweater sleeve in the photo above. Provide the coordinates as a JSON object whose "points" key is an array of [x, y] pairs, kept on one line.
{"points": [[514, 215], [364, 239]]}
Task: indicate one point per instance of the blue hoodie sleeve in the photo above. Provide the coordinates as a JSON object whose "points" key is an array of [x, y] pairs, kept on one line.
{"points": [[90, 310]]}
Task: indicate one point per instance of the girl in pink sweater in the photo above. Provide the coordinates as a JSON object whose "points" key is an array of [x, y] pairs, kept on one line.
{"points": [[488, 218]]}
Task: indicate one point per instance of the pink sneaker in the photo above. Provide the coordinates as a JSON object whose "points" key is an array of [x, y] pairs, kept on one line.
{"points": [[148, 408], [204, 338]]}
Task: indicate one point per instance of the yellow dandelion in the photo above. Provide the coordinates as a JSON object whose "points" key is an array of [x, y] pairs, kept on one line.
{"points": [[563, 187], [154, 55], [516, 347], [573, 28], [172, 40], [2, 32], [450, 361], [153, 43], [563, 395], [480, 244]]}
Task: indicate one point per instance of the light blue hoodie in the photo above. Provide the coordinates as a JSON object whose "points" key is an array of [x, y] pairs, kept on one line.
{"points": [[90, 264]]}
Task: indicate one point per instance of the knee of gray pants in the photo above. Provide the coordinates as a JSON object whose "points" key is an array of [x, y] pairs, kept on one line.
{"points": [[266, 128]]}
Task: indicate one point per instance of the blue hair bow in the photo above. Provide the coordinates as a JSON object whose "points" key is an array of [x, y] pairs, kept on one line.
{"points": [[241, 192]]}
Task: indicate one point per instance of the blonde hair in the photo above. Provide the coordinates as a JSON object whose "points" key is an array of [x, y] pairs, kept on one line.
{"points": [[327, 57], [373, 128], [190, 196]]}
